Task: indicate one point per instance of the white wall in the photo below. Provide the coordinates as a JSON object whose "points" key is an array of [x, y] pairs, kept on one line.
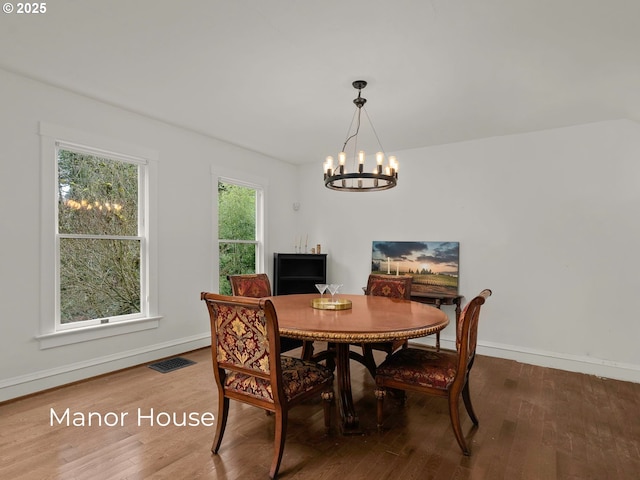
{"points": [[185, 242], [547, 220]]}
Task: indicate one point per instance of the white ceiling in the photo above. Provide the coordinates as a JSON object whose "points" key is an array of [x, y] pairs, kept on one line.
{"points": [[275, 76]]}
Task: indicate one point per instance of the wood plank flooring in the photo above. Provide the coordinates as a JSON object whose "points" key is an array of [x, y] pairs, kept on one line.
{"points": [[535, 423]]}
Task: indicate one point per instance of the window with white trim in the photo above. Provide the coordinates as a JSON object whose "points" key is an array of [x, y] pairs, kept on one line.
{"points": [[98, 255], [100, 241], [240, 230]]}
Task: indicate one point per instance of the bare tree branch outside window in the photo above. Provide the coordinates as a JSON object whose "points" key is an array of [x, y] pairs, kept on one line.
{"points": [[99, 246]]}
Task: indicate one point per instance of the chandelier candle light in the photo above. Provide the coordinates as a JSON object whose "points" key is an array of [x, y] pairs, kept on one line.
{"points": [[336, 177]]}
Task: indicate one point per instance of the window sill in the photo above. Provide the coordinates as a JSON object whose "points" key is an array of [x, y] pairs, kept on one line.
{"points": [[68, 337]]}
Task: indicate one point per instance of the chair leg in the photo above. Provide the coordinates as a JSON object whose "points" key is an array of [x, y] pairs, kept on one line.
{"points": [[223, 414], [466, 396], [369, 361], [307, 350], [380, 394], [280, 436], [327, 400], [454, 413]]}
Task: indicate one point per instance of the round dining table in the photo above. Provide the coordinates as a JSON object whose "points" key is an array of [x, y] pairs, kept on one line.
{"points": [[370, 319]]}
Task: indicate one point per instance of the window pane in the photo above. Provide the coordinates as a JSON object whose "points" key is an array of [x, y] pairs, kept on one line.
{"points": [[98, 278], [235, 259], [96, 196], [236, 212]]}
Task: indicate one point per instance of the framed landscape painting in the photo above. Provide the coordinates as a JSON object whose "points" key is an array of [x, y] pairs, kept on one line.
{"points": [[434, 266]]}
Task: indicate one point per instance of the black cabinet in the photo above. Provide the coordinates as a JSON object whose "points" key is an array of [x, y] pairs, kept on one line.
{"points": [[298, 272]]}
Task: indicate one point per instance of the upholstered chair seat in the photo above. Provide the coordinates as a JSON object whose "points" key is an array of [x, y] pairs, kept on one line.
{"points": [[298, 377], [424, 368]]}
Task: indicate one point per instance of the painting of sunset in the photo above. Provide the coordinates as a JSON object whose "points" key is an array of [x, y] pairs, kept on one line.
{"points": [[433, 265]]}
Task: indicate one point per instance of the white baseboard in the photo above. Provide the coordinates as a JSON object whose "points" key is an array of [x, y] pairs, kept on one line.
{"points": [[562, 361], [44, 379], [54, 377]]}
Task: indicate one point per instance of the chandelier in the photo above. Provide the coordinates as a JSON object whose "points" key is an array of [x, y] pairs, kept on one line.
{"points": [[382, 177]]}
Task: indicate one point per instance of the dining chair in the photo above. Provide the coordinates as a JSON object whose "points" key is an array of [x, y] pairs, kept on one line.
{"points": [[443, 373], [393, 286], [249, 368], [257, 285]]}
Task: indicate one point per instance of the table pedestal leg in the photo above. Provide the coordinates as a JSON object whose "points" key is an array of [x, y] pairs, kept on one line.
{"points": [[350, 421]]}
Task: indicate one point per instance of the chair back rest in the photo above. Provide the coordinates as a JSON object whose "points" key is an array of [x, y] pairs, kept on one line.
{"points": [[394, 286], [467, 330], [251, 285], [245, 343]]}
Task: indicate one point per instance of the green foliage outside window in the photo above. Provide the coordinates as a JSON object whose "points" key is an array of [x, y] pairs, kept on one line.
{"points": [[97, 201], [236, 232]]}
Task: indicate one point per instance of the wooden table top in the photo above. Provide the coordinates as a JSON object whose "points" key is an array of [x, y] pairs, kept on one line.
{"points": [[371, 319]]}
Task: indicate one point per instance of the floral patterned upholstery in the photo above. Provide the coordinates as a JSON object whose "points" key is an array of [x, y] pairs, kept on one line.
{"points": [[298, 376], [242, 341], [249, 367], [389, 286], [420, 367], [256, 286], [242, 337]]}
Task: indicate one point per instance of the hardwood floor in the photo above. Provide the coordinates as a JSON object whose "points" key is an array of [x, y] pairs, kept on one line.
{"points": [[535, 423]]}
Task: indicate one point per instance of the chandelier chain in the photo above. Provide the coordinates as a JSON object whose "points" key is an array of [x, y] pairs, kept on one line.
{"points": [[374, 132], [357, 112]]}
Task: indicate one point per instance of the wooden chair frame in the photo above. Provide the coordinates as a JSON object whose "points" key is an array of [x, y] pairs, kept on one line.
{"points": [[464, 356], [280, 405]]}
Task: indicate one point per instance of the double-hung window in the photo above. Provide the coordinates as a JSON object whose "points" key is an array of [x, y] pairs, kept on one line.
{"points": [[100, 240], [240, 230], [98, 277]]}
